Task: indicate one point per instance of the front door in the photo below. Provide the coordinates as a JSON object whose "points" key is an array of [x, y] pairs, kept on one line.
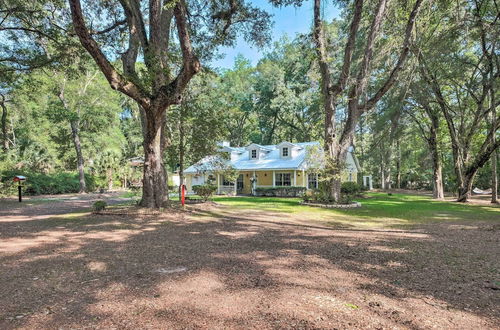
{"points": [[239, 184]]}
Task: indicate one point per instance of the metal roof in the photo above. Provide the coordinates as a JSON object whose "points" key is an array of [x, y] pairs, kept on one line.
{"points": [[271, 160]]}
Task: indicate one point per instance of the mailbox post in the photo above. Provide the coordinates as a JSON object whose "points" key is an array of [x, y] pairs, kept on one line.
{"points": [[19, 179], [183, 195]]}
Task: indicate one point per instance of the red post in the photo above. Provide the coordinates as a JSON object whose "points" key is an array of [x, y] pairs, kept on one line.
{"points": [[183, 195]]}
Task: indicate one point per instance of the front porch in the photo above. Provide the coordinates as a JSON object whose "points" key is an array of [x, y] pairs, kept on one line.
{"points": [[248, 181]]}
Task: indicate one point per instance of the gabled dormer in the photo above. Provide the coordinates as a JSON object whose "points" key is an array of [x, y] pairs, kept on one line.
{"points": [[288, 150], [257, 151], [233, 152]]}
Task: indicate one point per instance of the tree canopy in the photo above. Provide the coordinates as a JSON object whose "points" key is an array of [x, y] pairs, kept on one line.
{"points": [[410, 86]]}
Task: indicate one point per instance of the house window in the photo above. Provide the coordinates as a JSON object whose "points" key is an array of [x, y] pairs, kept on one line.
{"points": [[350, 176], [211, 179], [226, 182], [283, 179], [284, 152], [312, 181], [254, 153]]}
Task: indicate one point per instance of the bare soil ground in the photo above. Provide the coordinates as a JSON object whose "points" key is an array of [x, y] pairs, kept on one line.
{"points": [[214, 267]]}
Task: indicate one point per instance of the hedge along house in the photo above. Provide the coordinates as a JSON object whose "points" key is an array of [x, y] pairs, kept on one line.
{"points": [[259, 166]]}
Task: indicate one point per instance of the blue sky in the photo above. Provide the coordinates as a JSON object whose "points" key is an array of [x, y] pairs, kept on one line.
{"points": [[287, 20]]}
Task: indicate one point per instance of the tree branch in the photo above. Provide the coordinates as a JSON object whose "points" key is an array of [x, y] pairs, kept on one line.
{"points": [[410, 25], [361, 79], [349, 47], [159, 32], [115, 79], [172, 93], [110, 28]]}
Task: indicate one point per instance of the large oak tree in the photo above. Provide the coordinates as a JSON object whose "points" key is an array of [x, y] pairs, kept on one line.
{"points": [[357, 87], [461, 68], [158, 64]]}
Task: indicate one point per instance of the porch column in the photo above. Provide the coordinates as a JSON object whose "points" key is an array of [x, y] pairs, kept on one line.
{"points": [[295, 177], [274, 178], [304, 182], [218, 184], [254, 183], [236, 187]]}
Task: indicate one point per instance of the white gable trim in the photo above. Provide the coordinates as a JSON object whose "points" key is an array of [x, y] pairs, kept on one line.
{"points": [[287, 144]]}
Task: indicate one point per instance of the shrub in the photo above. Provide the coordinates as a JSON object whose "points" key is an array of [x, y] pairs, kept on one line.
{"points": [[49, 184], [205, 191], [308, 196], [280, 191], [346, 199], [7, 188], [316, 195], [348, 191], [99, 206], [351, 188]]}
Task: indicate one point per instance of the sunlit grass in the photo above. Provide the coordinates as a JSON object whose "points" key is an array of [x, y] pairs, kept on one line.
{"points": [[378, 210]]}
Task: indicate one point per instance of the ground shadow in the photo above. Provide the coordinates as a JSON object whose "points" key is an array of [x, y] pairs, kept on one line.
{"points": [[205, 269]]}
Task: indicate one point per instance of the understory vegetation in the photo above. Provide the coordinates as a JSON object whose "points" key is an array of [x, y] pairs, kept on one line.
{"points": [[205, 191], [280, 191], [44, 184], [349, 190]]}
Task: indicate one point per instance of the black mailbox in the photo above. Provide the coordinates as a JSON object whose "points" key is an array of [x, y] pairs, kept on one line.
{"points": [[19, 179]]}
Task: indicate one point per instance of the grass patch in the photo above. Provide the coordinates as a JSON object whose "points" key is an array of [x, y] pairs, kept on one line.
{"points": [[131, 193], [378, 210]]}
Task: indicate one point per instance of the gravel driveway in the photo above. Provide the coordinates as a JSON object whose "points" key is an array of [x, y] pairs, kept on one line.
{"points": [[213, 267]]}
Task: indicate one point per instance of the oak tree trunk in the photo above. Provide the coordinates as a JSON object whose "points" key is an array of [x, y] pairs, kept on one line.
{"points": [[465, 190], [154, 182], [467, 177], [398, 166], [181, 152], [494, 154], [438, 189], [109, 174], [335, 186], [75, 132], [388, 179], [494, 178], [5, 138], [382, 175], [335, 173]]}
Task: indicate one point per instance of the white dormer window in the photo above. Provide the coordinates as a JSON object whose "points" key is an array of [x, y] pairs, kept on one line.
{"points": [[288, 150], [253, 154]]}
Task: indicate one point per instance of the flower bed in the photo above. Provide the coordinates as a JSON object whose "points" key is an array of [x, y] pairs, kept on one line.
{"points": [[282, 191], [352, 205]]}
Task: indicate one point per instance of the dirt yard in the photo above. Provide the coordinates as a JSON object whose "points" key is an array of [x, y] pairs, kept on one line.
{"points": [[215, 267]]}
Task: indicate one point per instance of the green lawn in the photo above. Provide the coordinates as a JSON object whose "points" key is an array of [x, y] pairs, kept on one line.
{"points": [[378, 209]]}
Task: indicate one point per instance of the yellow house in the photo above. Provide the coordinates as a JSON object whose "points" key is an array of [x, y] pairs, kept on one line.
{"points": [[283, 164]]}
